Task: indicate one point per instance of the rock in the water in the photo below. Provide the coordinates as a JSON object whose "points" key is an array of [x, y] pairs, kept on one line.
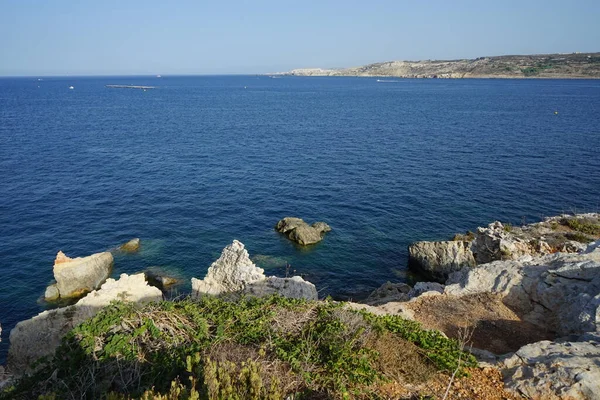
{"points": [[560, 291], [51, 293], [133, 246], [235, 273], [76, 276], [322, 227], [436, 260], [389, 292], [555, 370], [300, 232], [41, 335], [159, 279]]}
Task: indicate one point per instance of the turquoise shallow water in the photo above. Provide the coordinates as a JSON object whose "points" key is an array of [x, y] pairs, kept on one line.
{"points": [[200, 161]]}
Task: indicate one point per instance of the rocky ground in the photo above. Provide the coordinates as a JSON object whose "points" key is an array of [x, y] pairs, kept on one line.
{"points": [[524, 300], [574, 65]]}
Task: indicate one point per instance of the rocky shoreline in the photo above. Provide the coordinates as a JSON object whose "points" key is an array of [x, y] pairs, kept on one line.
{"points": [[529, 296], [549, 66]]}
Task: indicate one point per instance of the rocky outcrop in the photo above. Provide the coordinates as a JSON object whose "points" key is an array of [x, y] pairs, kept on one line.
{"points": [[133, 246], [235, 274], [76, 276], [559, 291], [556, 370], [436, 260], [300, 232], [496, 242], [41, 335], [389, 292]]}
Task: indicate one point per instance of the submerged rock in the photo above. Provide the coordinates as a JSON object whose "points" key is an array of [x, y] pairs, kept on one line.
{"points": [[133, 246], [235, 273], [76, 276], [437, 260], [40, 336], [300, 232]]}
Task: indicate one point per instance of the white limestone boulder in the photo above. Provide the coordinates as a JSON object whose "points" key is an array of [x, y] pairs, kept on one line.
{"points": [[235, 273], [76, 276], [40, 336]]}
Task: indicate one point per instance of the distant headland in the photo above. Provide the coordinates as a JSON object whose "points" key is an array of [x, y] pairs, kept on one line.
{"points": [[567, 66]]}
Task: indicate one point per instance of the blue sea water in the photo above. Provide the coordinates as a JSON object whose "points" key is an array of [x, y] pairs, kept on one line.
{"points": [[200, 161]]}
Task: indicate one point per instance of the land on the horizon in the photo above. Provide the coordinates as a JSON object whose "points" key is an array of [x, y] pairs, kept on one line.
{"points": [[572, 65]]}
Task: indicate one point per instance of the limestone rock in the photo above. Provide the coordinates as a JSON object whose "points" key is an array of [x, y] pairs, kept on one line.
{"points": [[230, 273], [289, 223], [133, 246], [558, 291], [160, 279], [572, 246], [51, 293], [421, 288], [436, 260], [75, 276], [300, 232], [389, 292], [41, 335], [235, 273], [555, 370]]}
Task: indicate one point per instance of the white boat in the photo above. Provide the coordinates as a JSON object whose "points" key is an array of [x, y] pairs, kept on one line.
{"points": [[71, 87]]}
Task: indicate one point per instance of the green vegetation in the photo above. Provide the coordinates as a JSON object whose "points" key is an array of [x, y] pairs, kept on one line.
{"points": [[466, 237], [249, 349], [583, 226], [508, 227], [533, 71]]}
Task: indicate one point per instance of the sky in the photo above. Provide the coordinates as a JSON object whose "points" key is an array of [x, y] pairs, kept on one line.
{"points": [[135, 37]]}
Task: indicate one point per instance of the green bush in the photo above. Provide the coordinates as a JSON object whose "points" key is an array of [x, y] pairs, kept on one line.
{"points": [[249, 349]]}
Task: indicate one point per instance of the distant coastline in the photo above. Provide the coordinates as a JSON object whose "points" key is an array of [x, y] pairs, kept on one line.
{"points": [[557, 66]]}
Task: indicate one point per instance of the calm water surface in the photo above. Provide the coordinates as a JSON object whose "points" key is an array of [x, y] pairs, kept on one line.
{"points": [[200, 161]]}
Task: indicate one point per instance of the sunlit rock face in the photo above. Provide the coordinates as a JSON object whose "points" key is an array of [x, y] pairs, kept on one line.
{"points": [[235, 273], [41, 335]]}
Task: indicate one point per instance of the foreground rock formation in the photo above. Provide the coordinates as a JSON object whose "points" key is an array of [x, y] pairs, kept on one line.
{"points": [[556, 370], [235, 274], [545, 308], [497, 241], [41, 335], [76, 276], [559, 291], [574, 65], [300, 232]]}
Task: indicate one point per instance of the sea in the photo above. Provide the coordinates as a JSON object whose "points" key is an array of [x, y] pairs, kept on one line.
{"points": [[199, 161]]}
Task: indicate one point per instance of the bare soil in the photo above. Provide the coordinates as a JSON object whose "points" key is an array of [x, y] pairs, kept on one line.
{"points": [[494, 326]]}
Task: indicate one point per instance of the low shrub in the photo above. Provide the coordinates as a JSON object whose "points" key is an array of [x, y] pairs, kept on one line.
{"points": [[268, 348]]}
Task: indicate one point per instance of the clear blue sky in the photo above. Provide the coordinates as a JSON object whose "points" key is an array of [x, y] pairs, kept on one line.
{"points": [[58, 37]]}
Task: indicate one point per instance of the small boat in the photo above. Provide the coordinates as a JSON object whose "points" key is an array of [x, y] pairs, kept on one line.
{"points": [[71, 87], [158, 76]]}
